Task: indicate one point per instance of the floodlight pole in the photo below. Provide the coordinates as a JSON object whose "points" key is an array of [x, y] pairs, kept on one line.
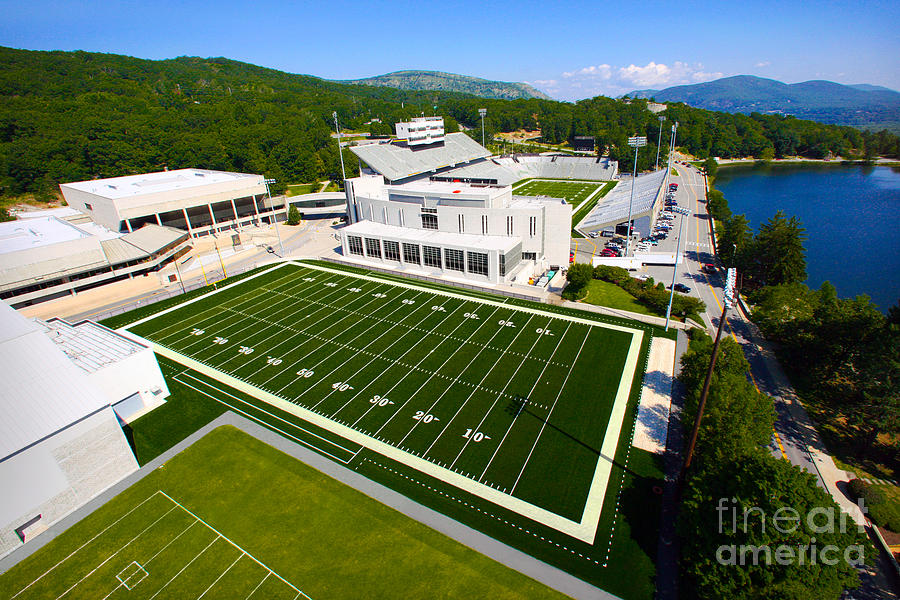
{"points": [[274, 215], [482, 112], [659, 141], [683, 213], [636, 142], [340, 152]]}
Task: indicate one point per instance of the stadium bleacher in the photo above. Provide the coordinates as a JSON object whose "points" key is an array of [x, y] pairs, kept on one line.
{"points": [[510, 169], [614, 207], [399, 161]]}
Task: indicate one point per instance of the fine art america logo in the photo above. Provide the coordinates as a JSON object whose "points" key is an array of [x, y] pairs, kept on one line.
{"points": [[786, 521]]}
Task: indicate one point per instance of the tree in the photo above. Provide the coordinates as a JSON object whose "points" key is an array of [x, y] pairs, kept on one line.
{"points": [[293, 216], [779, 255], [779, 511], [767, 154], [710, 166], [578, 277], [735, 239]]}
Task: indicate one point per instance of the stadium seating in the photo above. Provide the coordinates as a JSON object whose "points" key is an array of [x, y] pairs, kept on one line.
{"points": [[509, 169], [614, 207]]}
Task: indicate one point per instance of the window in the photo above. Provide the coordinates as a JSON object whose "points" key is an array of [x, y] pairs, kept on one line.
{"points": [[509, 225], [532, 226], [88, 206], [431, 211], [429, 221], [462, 222], [371, 213], [392, 250], [384, 215], [529, 256], [510, 260], [354, 243], [453, 259], [483, 224], [373, 247], [411, 254], [478, 263], [432, 256], [401, 220]]}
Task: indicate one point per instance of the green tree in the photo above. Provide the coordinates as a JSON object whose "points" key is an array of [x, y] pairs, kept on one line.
{"points": [[293, 216], [779, 255], [710, 166], [735, 239], [765, 489], [578, 277]]}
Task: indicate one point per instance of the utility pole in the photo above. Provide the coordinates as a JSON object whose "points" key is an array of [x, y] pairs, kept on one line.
{"points": [[683, 212], [274, 215], [726, 304], [635, 142]]}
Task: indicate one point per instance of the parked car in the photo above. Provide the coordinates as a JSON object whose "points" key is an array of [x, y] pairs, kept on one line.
{"points": [[708, 268], [571, 257], [680, 287], [593, 234]]}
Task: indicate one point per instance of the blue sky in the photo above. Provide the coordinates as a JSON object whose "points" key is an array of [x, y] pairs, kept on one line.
{"points": [[569, 49]]}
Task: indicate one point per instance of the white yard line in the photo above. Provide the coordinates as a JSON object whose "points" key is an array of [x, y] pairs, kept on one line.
{"points": [[240, 556], [531, 391], [190, 562], [550, 412]]}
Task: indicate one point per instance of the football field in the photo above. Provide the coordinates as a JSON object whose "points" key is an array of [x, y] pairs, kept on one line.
{"points": [[575, 192], [521, 407]]}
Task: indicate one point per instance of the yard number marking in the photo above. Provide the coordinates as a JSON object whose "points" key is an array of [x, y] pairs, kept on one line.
{"points": [[543, 331], [271, 360], [475, 437], [305, 373], [245, 350], [196, 331], [408, 301], [471, 316], [220, 340], [354, 290], [439, 309], [342, 386], [380, 295], [309, 279], [379, 401], [425, 418], [331, 284], [503, 323]]}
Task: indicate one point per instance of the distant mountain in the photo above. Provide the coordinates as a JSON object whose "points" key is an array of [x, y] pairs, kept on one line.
{"points": [[450, 82], [861, 105]]}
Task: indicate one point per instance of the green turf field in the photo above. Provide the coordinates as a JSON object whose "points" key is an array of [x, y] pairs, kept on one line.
{"points": [[231, 517], [575, 192], [435, 377]]}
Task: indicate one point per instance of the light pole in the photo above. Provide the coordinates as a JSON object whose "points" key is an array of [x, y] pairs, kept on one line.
{"points": [[659, 141], [274, 216], [482, 112], [635, 142], [683, 212], [340, 152]]}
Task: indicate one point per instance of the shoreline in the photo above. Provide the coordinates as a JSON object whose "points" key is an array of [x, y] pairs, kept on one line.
{"points": [[739, 162]]}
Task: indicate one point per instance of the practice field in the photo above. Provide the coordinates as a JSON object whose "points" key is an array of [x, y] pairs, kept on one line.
{"points": [[520, 407], [233, 518], [575, 192]]}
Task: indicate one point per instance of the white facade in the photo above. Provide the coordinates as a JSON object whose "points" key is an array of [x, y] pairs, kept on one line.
{"points": [[421, 130], [194, 200], [541, 226]]}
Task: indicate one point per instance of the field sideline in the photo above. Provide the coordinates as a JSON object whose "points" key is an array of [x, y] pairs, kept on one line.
{"points": [[427, 378]]}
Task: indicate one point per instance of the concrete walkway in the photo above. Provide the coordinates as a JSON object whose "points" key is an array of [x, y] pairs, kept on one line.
{"points": [[624, 314], [507, 555]]}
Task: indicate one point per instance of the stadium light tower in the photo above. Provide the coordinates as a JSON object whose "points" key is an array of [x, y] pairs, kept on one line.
{"points": [[659, 141], [274, 216], [482, 112], [340, 153], [635, 142]]}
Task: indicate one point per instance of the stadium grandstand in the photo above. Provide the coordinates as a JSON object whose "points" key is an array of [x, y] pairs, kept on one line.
{"points": [[614, 208], [506, 170], [397, 161]]}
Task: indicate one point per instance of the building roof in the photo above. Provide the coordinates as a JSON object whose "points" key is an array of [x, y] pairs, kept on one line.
{"points": [[397, 161], [500, 243], [152, 238], [88, 345], [36, 232], [130, 186], [43, 391]]}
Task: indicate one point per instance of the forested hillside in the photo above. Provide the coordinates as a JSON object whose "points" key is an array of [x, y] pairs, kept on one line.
{"points": [[69, 116], [451, 82]]}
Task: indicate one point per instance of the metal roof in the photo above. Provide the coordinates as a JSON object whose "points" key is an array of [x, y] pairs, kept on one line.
{"points": [[151, 238], [130, 186], [43, 391], [88, 345], [36, 232], [399, 161]]}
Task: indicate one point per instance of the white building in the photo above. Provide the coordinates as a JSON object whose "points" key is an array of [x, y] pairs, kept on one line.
{"points": [[61, 442], [477, 232], [421, 130], [193, 200]]}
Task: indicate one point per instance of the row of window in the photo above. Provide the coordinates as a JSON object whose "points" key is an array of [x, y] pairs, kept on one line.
{"points": [[453, 259], [430, 221]]}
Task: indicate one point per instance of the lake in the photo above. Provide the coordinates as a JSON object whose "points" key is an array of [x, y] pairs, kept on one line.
{"points": [[851, 215]]}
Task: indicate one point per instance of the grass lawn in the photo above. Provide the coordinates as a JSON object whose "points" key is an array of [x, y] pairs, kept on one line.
{"points": [[299, 189], [604, 293], [674, 172], [231, 517], [575, 192]]}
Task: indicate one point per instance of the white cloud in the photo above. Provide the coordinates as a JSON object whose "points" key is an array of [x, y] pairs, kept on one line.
{"points": [[613, 80], [763, 63]]}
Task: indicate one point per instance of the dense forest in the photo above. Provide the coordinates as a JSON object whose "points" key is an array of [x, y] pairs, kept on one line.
{"points": [[70, 116]]}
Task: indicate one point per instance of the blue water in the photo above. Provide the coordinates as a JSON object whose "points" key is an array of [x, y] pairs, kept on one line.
{"points": [[851, 215]]}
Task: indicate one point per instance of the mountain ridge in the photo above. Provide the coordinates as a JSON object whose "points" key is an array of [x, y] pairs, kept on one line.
{"points": [[450, 82], [858, 105]]}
